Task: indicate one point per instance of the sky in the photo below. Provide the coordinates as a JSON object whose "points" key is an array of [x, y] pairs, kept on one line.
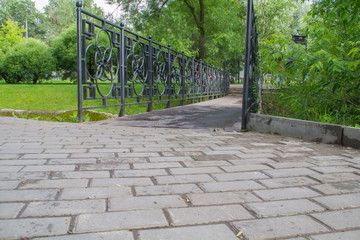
{"points": [[40, 4]]}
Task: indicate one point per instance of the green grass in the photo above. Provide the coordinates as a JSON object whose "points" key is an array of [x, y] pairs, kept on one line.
{"points": [[58, 95]]}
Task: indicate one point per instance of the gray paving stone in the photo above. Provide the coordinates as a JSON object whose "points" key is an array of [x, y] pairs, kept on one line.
{"points": [[340, 201], [279, 227], [46, 168], [112, 182], [289, 172], [349, 235], [167, 189], [45, 155], [336, 177], [286, 193], [10, 168], [21, 162], [104, 167], [256, 155], [152, 202], [30, 227], [184, 179], [27, 195], [91, 155], [60, 183], [60, 208], [340, 220], [239, 176], [329, 157], [292, 164], [338, 187], [81, 174], [222, 198], [207, 163], [72, 161], [334, 169], [284, 208], [171, 159], [10, 210], [140, 173], [288, 182], [114, 235], [253, 161], [231, 186], [120, 220], [196, 170], [208, 232], [156, 165], [245, 168], [208, 214], [4, 185], [91, 193]]}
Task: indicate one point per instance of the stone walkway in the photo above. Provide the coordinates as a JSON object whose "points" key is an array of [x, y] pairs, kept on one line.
{"points": [[105, 181]]}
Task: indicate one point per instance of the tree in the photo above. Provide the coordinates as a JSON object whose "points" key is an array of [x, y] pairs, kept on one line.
{"points": [[22, 11], [10, 34], [64, 50], [209, 29], [60, 14], [28, 60]]}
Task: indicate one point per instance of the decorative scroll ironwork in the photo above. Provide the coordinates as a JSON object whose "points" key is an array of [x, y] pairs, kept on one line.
{"points": [[116, 65], [252, 79]]}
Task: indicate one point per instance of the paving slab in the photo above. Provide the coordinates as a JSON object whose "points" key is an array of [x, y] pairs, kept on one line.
{"points": [[175, 180]]}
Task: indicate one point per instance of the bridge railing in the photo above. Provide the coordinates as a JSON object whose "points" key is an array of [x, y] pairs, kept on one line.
{"points": [[117, 68], [252, 77]]}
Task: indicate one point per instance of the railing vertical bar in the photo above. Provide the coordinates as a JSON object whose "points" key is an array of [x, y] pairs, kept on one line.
{"points": [[122, 69], [246, 67], [150, 75], [168, 104], [79, 59]]}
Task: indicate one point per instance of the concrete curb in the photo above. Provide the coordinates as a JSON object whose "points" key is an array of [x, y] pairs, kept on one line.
{"points": [[307, 130]]}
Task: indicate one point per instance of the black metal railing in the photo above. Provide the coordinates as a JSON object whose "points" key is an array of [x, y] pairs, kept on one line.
{"points": [[252, 79], [117, 67]]}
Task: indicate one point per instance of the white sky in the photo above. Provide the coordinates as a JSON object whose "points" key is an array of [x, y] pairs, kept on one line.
{"points": [[40, 4]]}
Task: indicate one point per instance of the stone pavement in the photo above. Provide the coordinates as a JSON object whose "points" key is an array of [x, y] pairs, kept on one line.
{"points": [[102, 181]]}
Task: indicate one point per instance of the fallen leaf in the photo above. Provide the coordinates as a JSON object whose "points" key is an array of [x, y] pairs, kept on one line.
{"points": [[66, 221], [118, 185], [239, 233]]}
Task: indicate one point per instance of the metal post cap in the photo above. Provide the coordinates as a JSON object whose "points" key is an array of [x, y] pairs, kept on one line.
{"points": [[150, 37], [122, 24], [79, 4]]}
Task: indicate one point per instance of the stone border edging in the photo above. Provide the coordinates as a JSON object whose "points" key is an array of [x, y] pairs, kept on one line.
{"points": [[306, 130]]}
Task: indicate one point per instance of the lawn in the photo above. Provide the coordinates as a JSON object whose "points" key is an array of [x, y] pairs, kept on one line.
{"points": [[58, 95]]}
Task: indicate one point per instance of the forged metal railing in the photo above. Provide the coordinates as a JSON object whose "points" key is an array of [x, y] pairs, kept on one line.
{"points": [[117, 67], [252, 79]]}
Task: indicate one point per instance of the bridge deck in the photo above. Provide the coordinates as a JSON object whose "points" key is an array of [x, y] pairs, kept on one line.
{"points": [[105, 181], [223, 113]]}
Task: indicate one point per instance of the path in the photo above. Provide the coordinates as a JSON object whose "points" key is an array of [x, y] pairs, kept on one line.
{"points": [[223, 113], [102, 181]]}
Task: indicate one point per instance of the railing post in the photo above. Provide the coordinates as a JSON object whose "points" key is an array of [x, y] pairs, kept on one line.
{"points": [[182, 79], [168, 104], [79, 59], [122, 70], [150, 75], [246, 67], [201, 80], [192, 87]]}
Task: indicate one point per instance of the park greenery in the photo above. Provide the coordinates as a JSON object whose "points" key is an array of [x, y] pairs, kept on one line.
{"points": [[320, 81]]}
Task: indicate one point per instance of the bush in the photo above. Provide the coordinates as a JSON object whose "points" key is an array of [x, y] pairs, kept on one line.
{"points": [[28, 60]]}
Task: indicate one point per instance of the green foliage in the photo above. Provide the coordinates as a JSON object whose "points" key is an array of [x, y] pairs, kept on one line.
{"points": [[61, 14], [10, 34], [322, 78], [20, 11], [211, 30], [28, 60], [64, 50]]}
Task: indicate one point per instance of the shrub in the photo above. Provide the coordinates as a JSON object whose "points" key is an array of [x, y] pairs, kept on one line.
{"points": [[28, 60]]}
